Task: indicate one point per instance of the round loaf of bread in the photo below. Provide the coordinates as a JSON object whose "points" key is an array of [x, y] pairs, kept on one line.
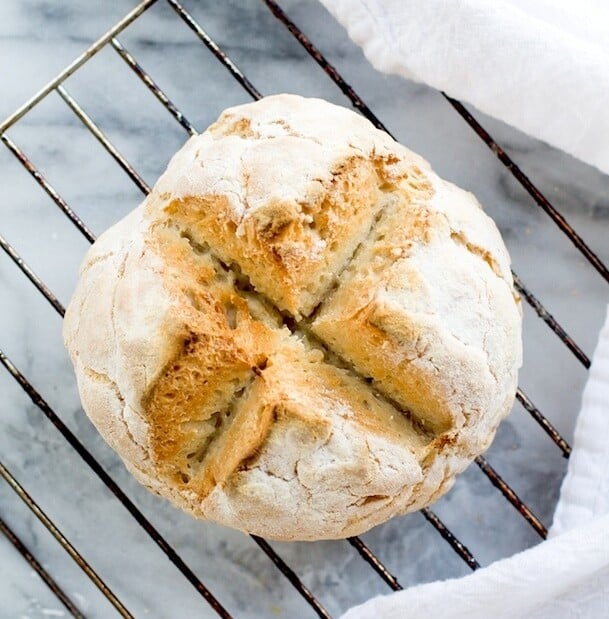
{"points": [[302, 331]]}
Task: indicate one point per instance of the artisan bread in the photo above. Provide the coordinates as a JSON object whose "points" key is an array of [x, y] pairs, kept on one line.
{"points": [[302, 331]]}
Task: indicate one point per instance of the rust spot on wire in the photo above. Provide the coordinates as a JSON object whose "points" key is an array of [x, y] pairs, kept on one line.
{"points": [[371, 559], [456, 545], [549, 429], [512, 497], [543, 313], [292, 577]]}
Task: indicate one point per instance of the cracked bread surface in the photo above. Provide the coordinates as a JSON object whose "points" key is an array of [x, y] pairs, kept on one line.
{"points": [[302, 331]]}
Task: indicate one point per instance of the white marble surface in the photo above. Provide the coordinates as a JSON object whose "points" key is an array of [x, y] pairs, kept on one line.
{"points": [[37, 38]]}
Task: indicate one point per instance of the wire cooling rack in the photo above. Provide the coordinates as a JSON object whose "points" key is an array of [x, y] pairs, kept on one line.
{"points": [[109, 39]]}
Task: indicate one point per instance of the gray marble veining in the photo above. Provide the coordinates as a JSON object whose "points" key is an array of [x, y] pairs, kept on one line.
{"points": [[37, 38]]}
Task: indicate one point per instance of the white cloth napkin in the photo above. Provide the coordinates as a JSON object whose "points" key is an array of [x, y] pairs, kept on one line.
{"points": [[539, 65], [566, 576]]}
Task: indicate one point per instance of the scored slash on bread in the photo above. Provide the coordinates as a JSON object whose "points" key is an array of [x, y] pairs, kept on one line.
{"points": [[302, 331]]}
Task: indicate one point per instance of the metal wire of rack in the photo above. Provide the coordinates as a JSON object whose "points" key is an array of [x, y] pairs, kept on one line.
{"points": [[57, 85]]}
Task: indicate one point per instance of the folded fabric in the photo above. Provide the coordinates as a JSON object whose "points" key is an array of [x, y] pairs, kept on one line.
{"points": [[565, 576], [516, 60]]}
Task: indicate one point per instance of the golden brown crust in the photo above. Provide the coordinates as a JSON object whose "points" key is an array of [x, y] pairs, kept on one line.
{"points": [[302, 331], [291, 248]]}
